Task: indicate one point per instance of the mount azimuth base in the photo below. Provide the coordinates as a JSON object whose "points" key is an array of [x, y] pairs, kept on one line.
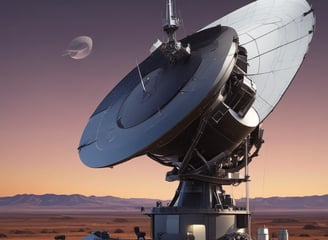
{"points": [[199, 213]]}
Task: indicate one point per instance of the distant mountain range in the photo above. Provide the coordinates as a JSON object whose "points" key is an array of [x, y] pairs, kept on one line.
{"points": [[72, 202], [76, 202], [289, 203]]}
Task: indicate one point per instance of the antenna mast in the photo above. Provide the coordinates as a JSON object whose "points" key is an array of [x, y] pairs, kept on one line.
{"points": [[171, 23], [172, 49]]}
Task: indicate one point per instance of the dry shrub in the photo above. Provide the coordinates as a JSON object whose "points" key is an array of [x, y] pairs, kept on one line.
{"points": [[2, 235], [48, 231], [60, 237], [21, 232], [304, 235], [118, 230], [120, 220], [310, 227], [284, 220]]}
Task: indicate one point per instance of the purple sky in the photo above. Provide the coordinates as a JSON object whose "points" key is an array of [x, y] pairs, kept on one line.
{"points": [[46, 99]]}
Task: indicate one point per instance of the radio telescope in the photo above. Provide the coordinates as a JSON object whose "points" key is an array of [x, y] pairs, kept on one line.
{"points": [[196, 105]]}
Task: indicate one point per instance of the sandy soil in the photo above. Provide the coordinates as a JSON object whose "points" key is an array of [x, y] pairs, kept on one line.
{"points": [[28, 226], [301, 225]]}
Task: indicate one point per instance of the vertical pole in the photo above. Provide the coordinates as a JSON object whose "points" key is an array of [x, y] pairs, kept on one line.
{"points": [[171, 22], [169, 13], [247, 185]]}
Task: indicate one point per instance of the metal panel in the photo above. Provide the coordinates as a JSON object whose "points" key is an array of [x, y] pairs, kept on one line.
{"points": [[276, 34]]}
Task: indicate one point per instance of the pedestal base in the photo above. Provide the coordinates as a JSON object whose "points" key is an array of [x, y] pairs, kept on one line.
{"points": [[175, 223]]}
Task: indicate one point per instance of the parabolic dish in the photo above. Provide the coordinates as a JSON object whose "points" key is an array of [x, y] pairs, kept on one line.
{"points": [[129, 120], [143, 113], [276, 34]]}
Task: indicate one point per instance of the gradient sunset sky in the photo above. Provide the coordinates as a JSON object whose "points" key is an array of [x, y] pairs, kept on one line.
{"points": [[46, 99]]}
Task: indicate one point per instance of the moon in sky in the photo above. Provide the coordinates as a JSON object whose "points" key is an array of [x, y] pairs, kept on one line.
{"points": [[79, 48]]}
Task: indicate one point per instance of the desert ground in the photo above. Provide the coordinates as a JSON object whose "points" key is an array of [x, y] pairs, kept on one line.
{"points": [[75, 225], [306, 225]]}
